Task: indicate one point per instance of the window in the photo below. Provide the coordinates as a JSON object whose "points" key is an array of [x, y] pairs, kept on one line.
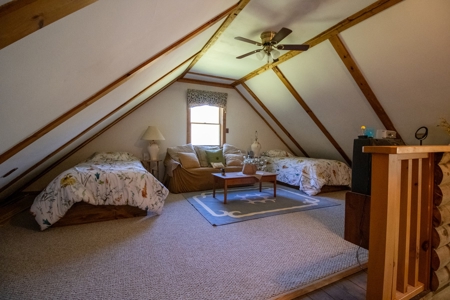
{"points": [[205, 125], [206, 117]]}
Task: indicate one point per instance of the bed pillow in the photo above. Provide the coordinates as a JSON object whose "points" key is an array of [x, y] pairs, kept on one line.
{"points": [[188, 160], [215, 156], [173, 151], [234, 159], [112, 156], [201, 154], [277, 153]]}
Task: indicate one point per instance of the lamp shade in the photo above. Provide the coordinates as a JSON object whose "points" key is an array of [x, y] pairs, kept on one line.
{"points": [[153, 134]]}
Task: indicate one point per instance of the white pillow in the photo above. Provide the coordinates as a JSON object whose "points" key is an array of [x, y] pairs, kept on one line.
{"points": [[173, 151], [234, 159], [188, 160]]}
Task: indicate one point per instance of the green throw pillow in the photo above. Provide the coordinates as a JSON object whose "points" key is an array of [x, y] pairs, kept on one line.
{"points": [[215, 156]]}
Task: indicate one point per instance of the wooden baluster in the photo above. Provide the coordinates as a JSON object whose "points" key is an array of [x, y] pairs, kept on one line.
{"points": [[405, 229]]}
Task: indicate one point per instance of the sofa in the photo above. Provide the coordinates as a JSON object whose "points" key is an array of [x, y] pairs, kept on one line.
{"points": [[188, 168]]}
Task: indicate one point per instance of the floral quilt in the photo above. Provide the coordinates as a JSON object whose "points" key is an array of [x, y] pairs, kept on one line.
{"points": [[116, 178], [310, 174]]}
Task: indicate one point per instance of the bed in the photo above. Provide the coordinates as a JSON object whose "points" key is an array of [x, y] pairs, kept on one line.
{"points": [[310, 175], [107, 179]]}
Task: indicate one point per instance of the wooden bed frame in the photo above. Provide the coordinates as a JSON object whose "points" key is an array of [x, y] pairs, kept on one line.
{"points": [[82, 212]]}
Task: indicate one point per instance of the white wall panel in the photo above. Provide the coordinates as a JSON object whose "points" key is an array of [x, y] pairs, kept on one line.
{"points": [[404, 55], [168, 111], [114, 144], [323, 82], [68, 61], [275, 96]]}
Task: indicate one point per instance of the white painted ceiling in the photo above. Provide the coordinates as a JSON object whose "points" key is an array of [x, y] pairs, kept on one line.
{"points": [[402, 52]]}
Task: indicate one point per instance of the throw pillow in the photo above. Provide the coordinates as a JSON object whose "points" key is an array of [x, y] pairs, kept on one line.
{"points": [[201, 154], [215, 156], [173, 151], [217, 165], [230, 149], [234, 159], [188, 160]]}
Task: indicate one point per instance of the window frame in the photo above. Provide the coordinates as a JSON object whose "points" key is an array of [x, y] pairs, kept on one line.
{"points": [[222, 123]]}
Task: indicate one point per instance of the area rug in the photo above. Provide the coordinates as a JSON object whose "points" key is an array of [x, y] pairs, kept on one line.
{"points": [[247, 203]]}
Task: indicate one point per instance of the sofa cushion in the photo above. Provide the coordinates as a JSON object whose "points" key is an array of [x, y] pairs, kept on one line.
{"points": [[234, 159], [230, 149], [215, 156], [188, 160], [201, 154], [173, 151]]}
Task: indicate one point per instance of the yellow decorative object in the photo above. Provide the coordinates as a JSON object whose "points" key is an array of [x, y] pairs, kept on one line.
{"points": [[363, 130]]}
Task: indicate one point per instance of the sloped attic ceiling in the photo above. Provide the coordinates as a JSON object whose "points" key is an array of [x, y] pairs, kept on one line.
{"points": [[383, 65]]}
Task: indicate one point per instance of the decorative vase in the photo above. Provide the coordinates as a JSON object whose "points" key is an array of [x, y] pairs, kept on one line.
{"points": [[256, 146]]}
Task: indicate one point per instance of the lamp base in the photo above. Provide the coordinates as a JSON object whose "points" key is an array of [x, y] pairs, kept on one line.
{"points": [[153, 149]]}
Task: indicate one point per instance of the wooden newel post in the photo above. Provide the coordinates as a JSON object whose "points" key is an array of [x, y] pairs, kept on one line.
{"points": [[400, 220]]}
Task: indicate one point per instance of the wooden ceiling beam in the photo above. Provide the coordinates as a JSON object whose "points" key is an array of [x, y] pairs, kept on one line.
{"points": [[311, 114], [274, 119], [112, 86], [210, 76], [23, 17], [362, 83], [92, 127], [354, 19], [203, 82], [237, 9], [262, 118]]}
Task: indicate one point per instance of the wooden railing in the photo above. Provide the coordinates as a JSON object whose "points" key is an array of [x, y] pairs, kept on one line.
{"points": [[400, 220]]}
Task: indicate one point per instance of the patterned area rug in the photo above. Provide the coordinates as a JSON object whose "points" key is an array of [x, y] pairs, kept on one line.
{"points": [[249, 203]]}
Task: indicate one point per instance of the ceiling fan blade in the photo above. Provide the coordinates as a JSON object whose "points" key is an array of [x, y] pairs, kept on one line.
{"points": [[284, 32], [248, 41], [249, 53], [293, 47]]}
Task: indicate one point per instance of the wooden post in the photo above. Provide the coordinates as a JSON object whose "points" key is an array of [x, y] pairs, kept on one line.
{"points": [[400, 220]]}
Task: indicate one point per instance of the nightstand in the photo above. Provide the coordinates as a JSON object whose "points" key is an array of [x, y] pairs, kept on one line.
{"points": [[152, 166]]}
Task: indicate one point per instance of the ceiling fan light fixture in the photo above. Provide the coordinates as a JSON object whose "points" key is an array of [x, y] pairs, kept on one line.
{"points": [[274, 54], [260, 55]]}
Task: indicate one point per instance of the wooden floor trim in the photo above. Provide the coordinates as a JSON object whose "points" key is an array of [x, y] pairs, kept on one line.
{"points": [[319, 284]]}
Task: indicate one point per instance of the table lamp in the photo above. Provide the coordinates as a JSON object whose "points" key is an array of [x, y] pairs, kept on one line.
{"points": [[153, 134]]}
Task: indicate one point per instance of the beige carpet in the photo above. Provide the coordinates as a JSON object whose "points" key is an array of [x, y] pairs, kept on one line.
{"points": [[177, 255]]}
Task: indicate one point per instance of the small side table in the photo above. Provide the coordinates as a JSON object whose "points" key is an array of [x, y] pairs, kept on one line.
{"points": [[148, 165]]}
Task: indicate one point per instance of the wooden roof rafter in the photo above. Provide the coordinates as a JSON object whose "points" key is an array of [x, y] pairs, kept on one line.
{"points": [[94, 125], [354, 19], [362, 83], [237, 9], [262, 118], [311, 114], [261, 104], [23, 17], [110, 87]]}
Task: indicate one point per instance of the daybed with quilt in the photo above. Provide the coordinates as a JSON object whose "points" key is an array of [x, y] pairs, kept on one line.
{"points": [[310, 175], [105, 179]]}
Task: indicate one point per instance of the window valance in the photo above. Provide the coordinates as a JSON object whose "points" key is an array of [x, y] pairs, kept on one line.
{"points": [[199, 98]]}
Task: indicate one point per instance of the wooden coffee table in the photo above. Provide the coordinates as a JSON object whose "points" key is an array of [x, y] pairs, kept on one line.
{"points": [[238, 178]]}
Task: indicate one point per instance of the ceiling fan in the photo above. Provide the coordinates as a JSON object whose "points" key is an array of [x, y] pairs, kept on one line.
{"points": [[269, 43]]}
